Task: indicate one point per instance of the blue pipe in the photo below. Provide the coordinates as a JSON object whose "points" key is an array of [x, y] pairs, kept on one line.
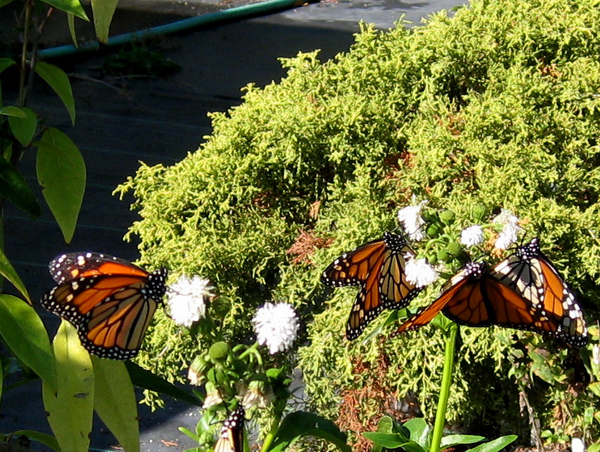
{"points": [[238, 13]]}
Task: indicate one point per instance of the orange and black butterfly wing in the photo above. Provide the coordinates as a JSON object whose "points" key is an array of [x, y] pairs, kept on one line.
{"points": [[552, 305], [361, 266], [368, 304], [353, 268], [561, 306], [492, 303], [395, 290], [67, 267], [110, 311], [232, 434], [377, 266], [459, 294]]}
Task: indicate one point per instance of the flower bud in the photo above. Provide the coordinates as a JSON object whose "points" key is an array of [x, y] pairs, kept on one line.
{"points": [[454, 249], [433, 230], [478, 213], [197, 370], [219, 351], [447, 216], [442, 255]]}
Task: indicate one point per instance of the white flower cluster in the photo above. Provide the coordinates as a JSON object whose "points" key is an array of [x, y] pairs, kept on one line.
{"points": [[276, 326], [510, 230], [420, 273], [413, 222], [472, 236], [187, 299]]}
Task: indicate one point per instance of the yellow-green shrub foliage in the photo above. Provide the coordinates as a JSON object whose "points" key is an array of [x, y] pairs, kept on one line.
{"points": [[499, 105]]}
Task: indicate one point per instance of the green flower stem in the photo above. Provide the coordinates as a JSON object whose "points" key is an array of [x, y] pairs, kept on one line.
{"points": [[271, 435], [251, 350], [440, 417]]}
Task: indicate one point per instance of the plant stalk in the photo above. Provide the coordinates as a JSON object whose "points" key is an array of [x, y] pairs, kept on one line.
{"points": [[440, 417], [271, 435]]}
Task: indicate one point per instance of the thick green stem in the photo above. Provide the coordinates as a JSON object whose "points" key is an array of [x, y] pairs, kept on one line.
{"points": [[440, 417], [271, 435]]}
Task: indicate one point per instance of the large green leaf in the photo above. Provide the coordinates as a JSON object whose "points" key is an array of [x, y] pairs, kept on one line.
{"points": [[15, 188], [23, 128], [103, 14], [387, 440], [40, 437], [495, 445], [419, 432], [9, 272], [13, 111], [24, 333], [455, 440], [61, 173], [300, 423], [59, 82], [147, 380], [69, 6], [71, 405], [114, 401]]}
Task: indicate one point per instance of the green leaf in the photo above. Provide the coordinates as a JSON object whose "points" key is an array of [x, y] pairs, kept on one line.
{"points": [[419, 431], [61, 173], [5, 63], [147, 380], [15, 188], [72, 30], [189, 433], [59, 82], [495, 445], [71, 405], [594, 447], [13, 111], [23, 128], [9, 272], [42, 438], [24, 333], [69, 6], [455, 440], [298, 424], [595, 388], [103, 14], [387, 440], [385, 425], [4, 2], [114, 401]]}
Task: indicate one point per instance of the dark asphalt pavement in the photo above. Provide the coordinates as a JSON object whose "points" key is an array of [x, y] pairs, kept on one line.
{"points": [[159, 120]]}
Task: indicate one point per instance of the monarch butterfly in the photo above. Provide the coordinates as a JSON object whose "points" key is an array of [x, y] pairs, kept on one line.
{"points": [[523, 291], [378, 267], [232, 434], [109, 300]]}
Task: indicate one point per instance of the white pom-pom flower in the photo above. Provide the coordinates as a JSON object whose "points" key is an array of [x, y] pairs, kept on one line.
{"points": [[276, 326], [510, 230], [412, 221], [472, 236], [187, 299], [420, 273]]}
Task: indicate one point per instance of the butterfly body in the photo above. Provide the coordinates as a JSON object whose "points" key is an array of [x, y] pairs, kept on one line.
{"points": [[524, 291], [232, 433], [378, 267], [109, 300]]}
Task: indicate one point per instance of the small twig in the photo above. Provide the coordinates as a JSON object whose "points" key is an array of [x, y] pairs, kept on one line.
{"points": [[533, 420]]}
